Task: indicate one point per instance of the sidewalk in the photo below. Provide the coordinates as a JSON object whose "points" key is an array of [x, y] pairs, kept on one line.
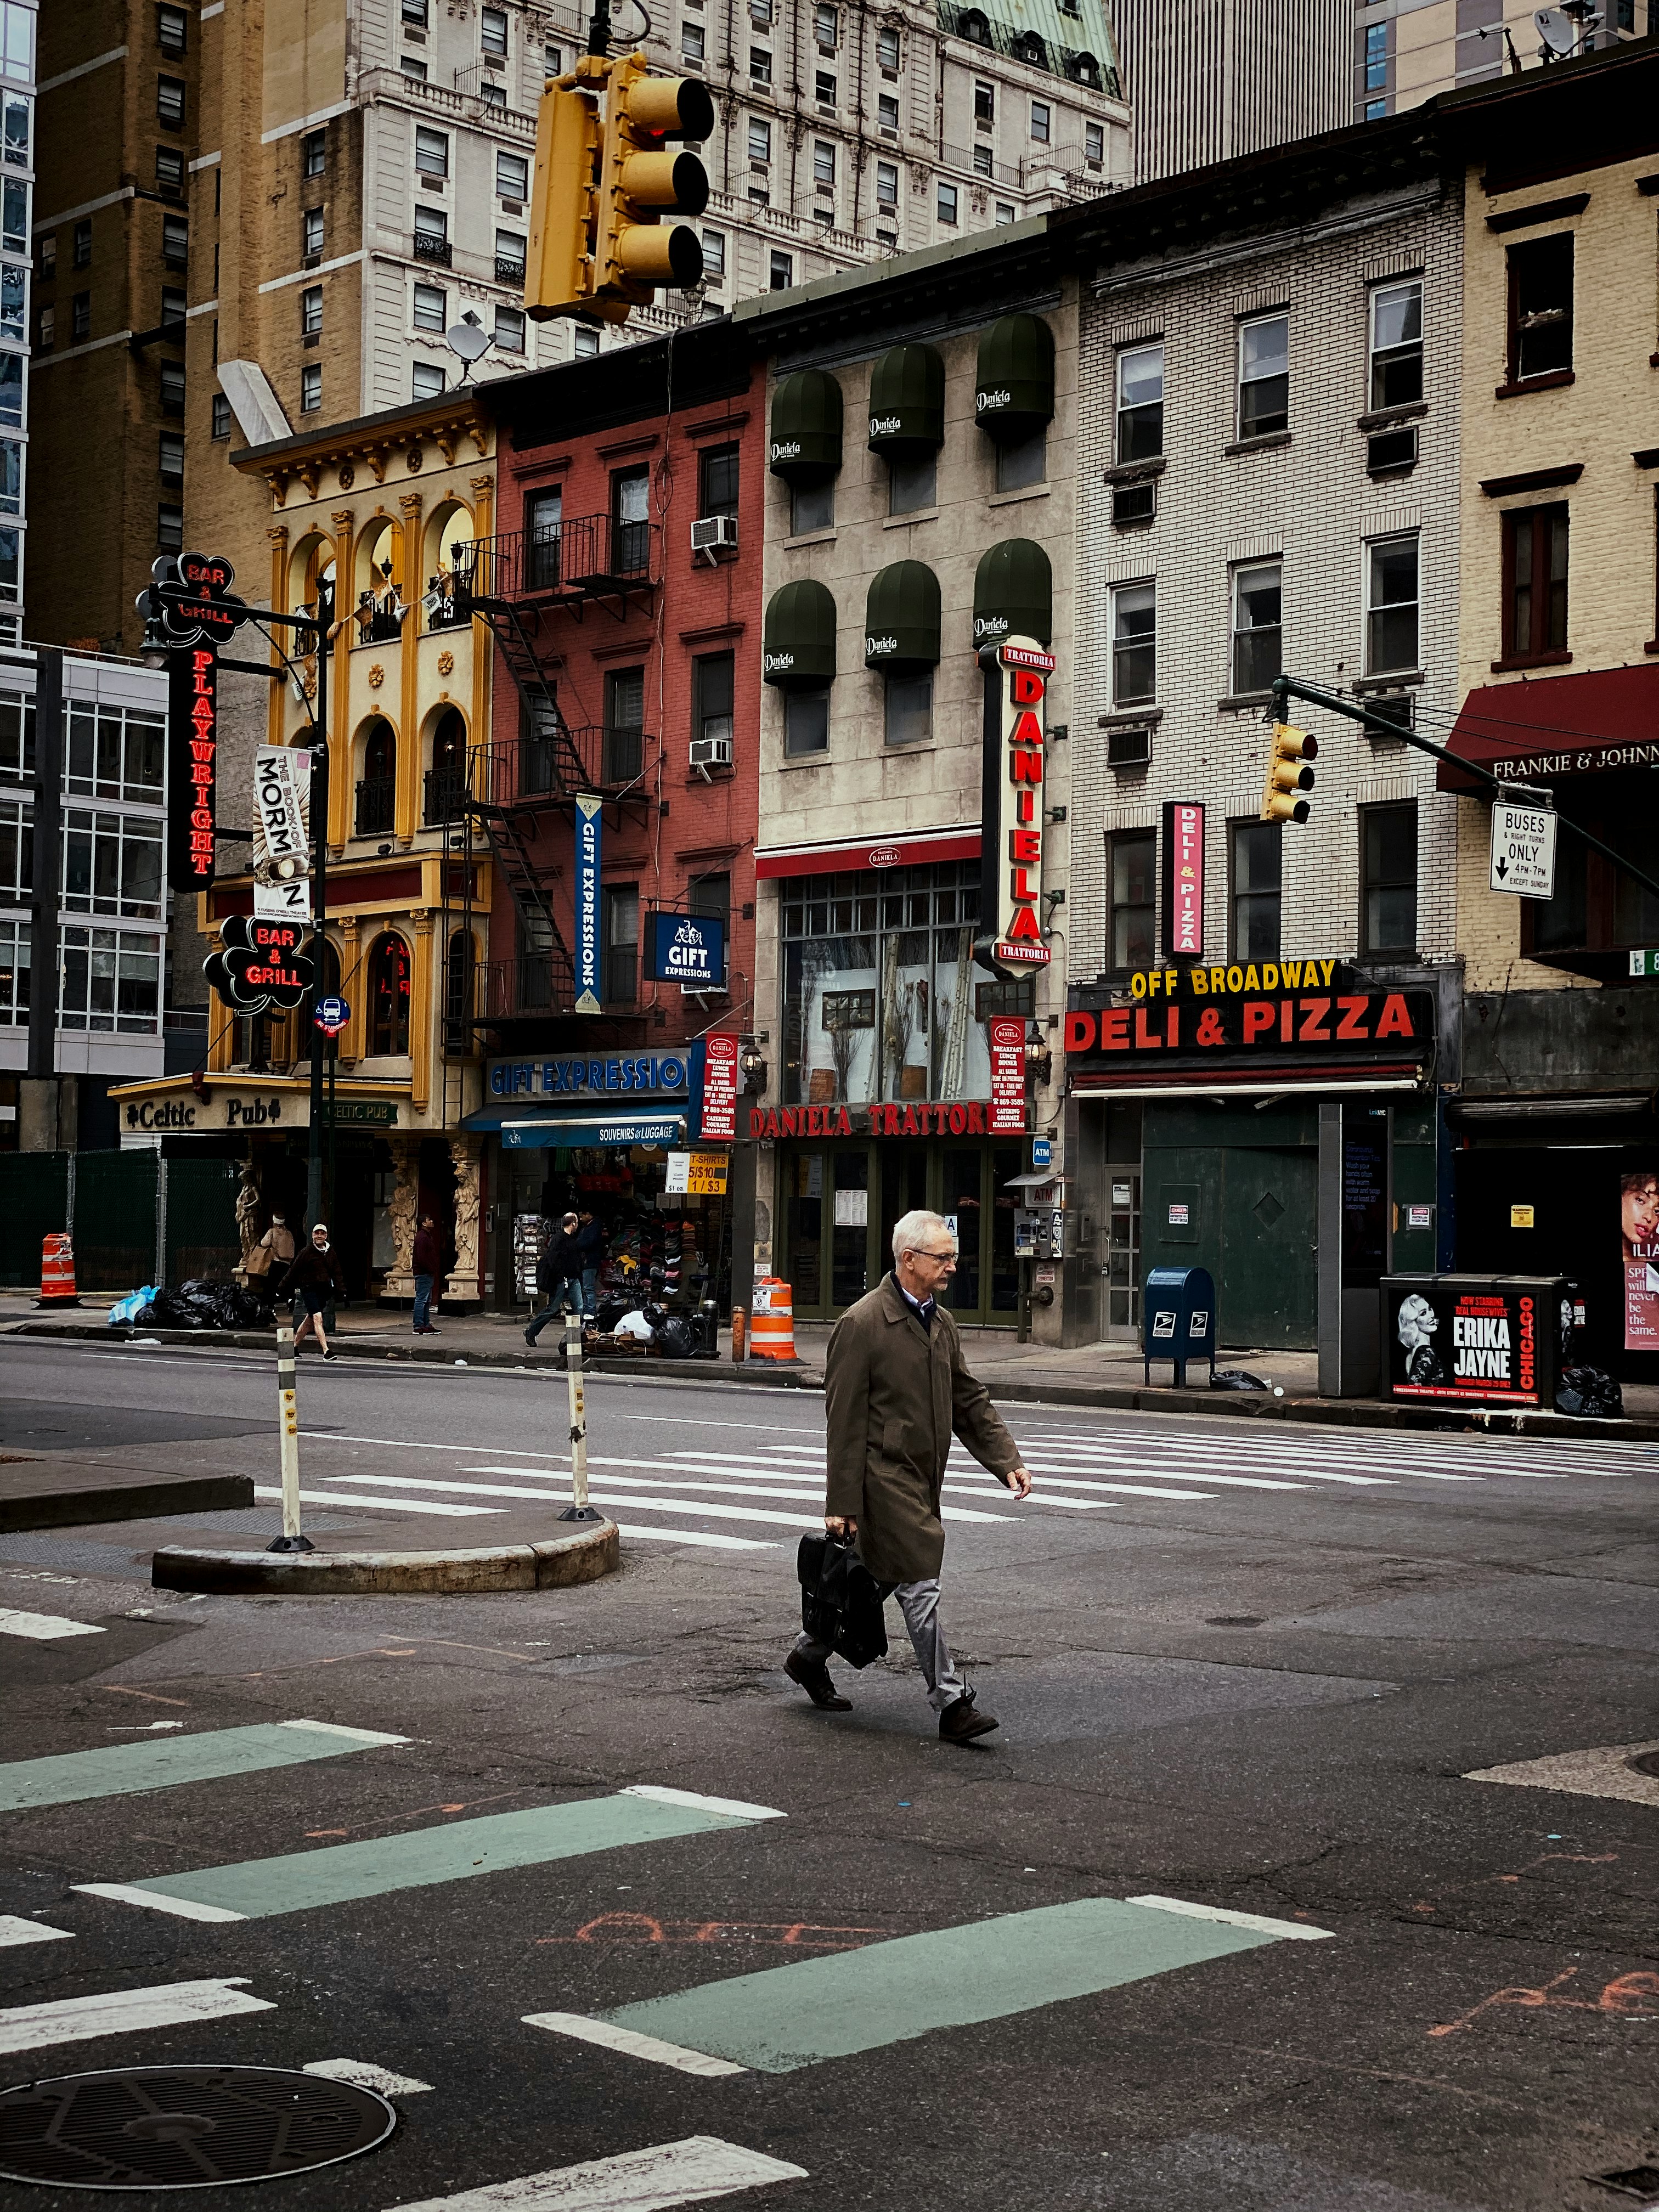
{"points": [[1107, 1375]]}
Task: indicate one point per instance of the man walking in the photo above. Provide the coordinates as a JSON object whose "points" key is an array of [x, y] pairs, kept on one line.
{"points": [[896, 1390], [558, 1277], [315, 1274], [589, 1241], [427, 1267]]}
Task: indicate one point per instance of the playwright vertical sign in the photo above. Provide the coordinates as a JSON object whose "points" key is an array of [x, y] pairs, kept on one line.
{"points": [[590, 830]]}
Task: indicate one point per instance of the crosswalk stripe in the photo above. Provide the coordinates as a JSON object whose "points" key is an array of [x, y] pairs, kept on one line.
{"points": [[361, 2075], [654, 2180], [297, 1881], [694, 1501], [636, 2046], [120, 2012], [343, 1498], [164, 1762], [43, 1627], [14, 1930], [836, 2005], [703, 1536]]}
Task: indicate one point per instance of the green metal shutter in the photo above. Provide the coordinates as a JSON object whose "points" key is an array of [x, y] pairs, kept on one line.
{"points": [[797, 644], [907, 401], [901, 619], [804, 445], [1013, 593], [1014, 388]]}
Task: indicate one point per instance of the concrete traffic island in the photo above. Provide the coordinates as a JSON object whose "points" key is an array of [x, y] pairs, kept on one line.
{"points": [[587, 1553]]}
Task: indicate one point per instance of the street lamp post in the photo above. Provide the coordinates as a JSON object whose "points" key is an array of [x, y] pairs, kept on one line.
{"points": [[319, 894]]}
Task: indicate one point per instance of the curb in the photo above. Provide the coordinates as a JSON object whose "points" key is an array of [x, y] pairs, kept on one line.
{"points": [[558, 1564], [141, 1501]]}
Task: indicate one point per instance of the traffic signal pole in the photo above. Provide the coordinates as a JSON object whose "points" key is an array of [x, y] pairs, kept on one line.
{"points": [[319, 896], [1286, 688]]}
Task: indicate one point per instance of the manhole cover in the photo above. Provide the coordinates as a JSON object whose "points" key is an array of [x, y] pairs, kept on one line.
{"points": [[1235, 1620], [1644, 1762], [184, 2127]]}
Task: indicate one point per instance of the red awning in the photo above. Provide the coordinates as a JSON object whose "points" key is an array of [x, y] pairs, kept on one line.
{"points": [[961, 843], [1551, 726]]}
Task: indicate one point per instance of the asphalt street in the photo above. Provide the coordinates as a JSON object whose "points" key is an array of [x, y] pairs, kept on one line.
{"points": [[1216, 1918]]}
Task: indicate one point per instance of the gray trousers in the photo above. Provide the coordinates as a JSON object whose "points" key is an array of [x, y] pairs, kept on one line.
{"points": [[919, 1603]]}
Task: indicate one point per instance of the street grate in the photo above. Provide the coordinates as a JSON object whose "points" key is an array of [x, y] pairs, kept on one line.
{"points": [[184, 2127]]}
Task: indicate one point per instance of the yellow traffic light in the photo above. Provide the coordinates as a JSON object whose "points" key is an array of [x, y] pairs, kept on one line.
{"points": [[1287, 774], [568, 129], [640, 180]]}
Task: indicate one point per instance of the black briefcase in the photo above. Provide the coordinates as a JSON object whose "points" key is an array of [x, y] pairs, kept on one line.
{"points": [[840, 1600]]}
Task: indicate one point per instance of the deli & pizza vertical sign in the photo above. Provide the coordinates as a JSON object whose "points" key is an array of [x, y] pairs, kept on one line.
{"points": [[1183, 879], [1017, 674]]}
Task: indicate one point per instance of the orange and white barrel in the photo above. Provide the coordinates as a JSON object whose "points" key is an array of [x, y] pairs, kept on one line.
{"points": [[58, 1271], [772, 1326]]}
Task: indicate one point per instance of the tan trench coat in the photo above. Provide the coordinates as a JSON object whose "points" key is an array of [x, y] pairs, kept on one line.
{"points": [[895, 1393]]}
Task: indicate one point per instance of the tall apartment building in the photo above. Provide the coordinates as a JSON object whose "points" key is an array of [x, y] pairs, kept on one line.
{"points": [[305, 195], [1214, 80], [17, 90]]}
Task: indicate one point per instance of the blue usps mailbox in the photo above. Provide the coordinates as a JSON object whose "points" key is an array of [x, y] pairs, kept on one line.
{"points": [[1177, 1320]]}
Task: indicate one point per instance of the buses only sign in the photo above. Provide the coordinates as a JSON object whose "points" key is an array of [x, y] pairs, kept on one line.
{"points": [[1523, 849]]}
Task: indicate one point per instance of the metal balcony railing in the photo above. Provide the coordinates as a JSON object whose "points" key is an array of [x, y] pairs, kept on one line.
{"points": [[533, 983], [517, 771], [445, 796], [379, 620], [376, 800], [428, 247], [582, 557]]}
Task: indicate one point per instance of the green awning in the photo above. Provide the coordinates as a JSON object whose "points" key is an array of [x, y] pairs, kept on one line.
{"points": [[804, 446], [907, 401], [797, 643], [901, 619], [1013, 593], [1014, 389]]}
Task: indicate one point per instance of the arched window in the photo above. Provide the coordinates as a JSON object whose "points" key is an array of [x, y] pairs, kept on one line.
{"points": [[974, 27], [1084, 68], [1029, 47], [377, 787], [458, 996], [388, 999], [446, 782]]}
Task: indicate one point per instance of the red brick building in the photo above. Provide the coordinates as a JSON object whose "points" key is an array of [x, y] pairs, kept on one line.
{"points": [[623, 590]]}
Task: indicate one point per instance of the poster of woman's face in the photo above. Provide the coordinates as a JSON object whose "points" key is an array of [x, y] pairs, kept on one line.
{"points": [[1638, 1213]]}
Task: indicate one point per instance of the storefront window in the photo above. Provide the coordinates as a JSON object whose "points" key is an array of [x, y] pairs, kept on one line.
{"points": [[388, 998], [879, 986]]}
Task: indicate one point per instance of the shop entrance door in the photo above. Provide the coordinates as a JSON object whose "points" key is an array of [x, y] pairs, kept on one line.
{"points": [[827, 1255], [1267, 1289], [1120, 1304], [972, 1184], [842, 1202]]}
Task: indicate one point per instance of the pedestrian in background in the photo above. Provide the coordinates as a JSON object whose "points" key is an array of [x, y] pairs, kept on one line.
{"points": [[589, 1241], [427, 1263], [270, 1258], [558, 1277], [315, 1274], [897, 1389]]}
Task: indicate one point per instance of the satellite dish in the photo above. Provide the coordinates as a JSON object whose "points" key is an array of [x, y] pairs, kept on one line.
{"points": [[468, 339], [1557, 33]]}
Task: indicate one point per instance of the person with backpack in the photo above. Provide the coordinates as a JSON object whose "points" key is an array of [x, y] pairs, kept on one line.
{"points": [[558, 1277]]}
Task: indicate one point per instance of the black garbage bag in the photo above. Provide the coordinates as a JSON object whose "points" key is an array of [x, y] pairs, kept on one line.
{"points": [[676, 1338], [840, 1600], [1589, 1392], [145, 1317], [1237, 1378], [170, 1309], [610, 1311], [237, 1308]]}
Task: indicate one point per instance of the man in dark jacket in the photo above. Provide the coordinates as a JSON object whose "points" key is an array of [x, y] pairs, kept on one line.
{"points": [[558, 1277], [427, 1264], [314, 1272], [897, 1389], [590, 1242]]}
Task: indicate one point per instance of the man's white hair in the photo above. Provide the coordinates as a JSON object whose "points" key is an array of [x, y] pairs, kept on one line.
{"points": [[914, 1233]]}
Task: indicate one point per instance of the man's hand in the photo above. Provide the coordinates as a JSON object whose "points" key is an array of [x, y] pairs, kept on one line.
{"points": [[1020, 1481], [840, 1525]]}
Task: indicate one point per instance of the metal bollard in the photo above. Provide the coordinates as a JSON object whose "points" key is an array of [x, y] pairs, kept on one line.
{"points": [[579, 1509], [288, 1433]]}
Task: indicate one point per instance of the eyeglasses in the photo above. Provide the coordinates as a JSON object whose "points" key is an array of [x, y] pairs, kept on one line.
{"points": [[921, 1252]]}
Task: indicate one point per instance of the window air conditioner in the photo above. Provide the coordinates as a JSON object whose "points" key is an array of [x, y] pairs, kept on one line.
{"points": [[714, 531], [711, 752]]}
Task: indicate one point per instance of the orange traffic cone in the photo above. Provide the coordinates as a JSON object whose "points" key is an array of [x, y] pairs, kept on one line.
{"points": [[772, 1326], [58, 1272]]}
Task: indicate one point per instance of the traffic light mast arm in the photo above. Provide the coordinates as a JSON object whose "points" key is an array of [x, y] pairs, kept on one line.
{"points": [[1286, 688]]}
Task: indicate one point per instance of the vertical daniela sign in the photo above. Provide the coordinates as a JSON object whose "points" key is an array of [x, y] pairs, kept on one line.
{"points": [[1017, 674]]}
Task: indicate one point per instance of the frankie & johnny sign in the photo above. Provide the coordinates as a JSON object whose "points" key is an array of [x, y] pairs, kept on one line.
{"points": [[1017, 674]]}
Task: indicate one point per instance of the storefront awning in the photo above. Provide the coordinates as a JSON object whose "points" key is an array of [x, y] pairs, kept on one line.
{"points": [[798, 644], [583, 1132], [1552, 725], [901, 619], [1014, 388], [804, 445], [1013, 593], [832, 856], [907, 401]]}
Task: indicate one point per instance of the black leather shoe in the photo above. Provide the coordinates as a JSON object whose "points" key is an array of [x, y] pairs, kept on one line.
{"points": [[815, 1679], [961, 1722]]}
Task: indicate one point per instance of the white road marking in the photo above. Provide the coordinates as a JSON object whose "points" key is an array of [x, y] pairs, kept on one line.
{"points": [[361, 2075], [14, 1930], [706, 1537], [636, 2046], [353, 1736], [653, 2180], [392, 1505], [733, 1805], [83, 2019], [42, 1627], [1293, 1928], [183, 1908]]}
